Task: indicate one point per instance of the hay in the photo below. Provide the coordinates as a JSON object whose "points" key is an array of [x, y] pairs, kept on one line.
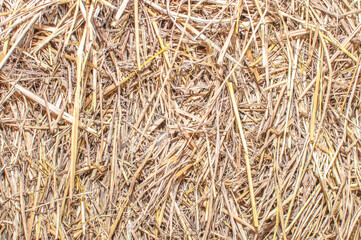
{"points": [[180, 119]]}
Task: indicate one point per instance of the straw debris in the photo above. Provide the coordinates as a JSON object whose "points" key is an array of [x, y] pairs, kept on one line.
{"points": [[216, 119]]}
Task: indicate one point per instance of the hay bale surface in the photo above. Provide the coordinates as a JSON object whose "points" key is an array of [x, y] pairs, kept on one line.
{"points": [[216, 119]]}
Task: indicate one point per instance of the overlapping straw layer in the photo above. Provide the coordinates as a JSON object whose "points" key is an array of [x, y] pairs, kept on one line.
{"points": [[193, 119]]}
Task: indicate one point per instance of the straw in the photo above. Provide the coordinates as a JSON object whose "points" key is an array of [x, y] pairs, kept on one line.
{"points": [[196, 119]]}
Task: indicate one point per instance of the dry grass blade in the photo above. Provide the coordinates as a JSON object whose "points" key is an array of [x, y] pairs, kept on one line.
{"points": [[244, 143]]}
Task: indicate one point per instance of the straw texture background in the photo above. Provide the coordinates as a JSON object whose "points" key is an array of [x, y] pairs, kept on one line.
{"points": [[187, 119]]}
